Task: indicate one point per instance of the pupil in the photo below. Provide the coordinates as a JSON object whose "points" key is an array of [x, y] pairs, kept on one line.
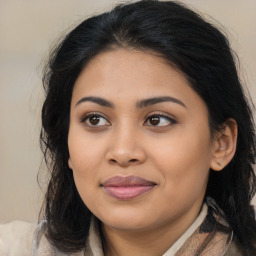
{"points": [[94, 120], [154, 120]]}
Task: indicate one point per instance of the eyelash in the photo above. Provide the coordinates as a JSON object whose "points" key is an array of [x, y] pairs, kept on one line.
{"points": [[90, 115], [160, 115], [86, 117]]}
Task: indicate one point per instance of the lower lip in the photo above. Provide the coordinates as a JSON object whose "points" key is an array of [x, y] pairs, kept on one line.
{"points": [[126, 193]]}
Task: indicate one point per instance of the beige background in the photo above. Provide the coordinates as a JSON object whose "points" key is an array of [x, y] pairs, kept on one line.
{"points": [[27, 31]]}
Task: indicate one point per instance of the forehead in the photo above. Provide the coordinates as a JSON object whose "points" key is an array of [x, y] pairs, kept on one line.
{"points": [[132, 75]]}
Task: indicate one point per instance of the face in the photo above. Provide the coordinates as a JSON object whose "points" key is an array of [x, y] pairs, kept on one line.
{"points": [[139, 141]]}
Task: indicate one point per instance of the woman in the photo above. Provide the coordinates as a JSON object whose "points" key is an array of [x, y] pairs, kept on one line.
{"points": [[149, 139]]}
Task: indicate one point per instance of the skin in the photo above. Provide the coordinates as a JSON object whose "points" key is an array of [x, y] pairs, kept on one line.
{"points": [[175, 149]]}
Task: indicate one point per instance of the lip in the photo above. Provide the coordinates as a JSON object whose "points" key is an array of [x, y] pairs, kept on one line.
{"points": [[126, 188]]}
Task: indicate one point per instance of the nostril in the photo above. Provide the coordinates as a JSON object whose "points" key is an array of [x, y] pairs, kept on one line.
{"points": [[113, 161]]}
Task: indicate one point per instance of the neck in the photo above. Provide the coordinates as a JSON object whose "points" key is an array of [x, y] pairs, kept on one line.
{"points": [[150, 242]]}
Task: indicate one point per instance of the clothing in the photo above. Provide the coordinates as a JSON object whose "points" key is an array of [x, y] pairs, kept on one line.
{"points": [[209, 235], [16, 238], [94, 237]]}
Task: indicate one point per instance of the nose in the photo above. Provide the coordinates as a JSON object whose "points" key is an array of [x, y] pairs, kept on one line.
{"points": [[126, 148]]}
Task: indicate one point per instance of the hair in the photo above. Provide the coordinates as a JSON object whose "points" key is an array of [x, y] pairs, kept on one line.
{"points": [[195, 47]]}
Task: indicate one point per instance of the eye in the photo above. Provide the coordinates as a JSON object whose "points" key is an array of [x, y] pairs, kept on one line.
{"points": [[159, 120], [95, 120]]}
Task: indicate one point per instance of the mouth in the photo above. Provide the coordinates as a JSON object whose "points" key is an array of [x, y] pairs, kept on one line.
{"points": [[126, 188]]}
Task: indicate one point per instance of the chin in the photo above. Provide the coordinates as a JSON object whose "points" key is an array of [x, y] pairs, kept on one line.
{"points": [[126, 220]]}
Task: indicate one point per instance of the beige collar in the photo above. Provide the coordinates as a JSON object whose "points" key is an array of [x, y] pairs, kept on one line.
{"points": [[94, 246], [209, 235]]}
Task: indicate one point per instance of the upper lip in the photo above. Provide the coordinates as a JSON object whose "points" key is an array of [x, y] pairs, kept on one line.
{"points": [[121, 181]]}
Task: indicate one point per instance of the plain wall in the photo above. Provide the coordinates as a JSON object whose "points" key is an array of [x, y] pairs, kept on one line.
{"points": [[27, 32]]}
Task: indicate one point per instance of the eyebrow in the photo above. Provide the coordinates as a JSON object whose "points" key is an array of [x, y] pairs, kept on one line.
{"points": [[156, 100], [98, 100], [141, 104]]}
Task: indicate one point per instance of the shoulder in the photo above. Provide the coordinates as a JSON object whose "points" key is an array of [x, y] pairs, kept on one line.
{"points": [[16, 238], [235, 250], [42, 247]]}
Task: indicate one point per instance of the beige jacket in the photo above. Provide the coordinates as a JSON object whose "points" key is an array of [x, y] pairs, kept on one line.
{"points": [[16, 238], [209, 235]]}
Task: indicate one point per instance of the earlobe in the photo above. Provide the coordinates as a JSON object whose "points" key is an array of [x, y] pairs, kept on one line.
{"points": [[70, 164], [224, 147]]}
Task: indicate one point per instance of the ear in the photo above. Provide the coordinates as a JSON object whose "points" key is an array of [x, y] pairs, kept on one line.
{"points": [[224, 145], [70, 164]]}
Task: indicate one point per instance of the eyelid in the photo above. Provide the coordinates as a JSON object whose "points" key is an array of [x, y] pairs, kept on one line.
{"points": [[89, 114], [169, 117], [172, 120]]}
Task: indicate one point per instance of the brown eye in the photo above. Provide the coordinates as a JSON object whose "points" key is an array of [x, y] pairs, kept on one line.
{"points": [[154, 120], [159, 120], [94, 120]]}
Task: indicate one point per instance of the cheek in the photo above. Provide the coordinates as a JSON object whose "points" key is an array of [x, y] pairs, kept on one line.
{"points": [[84, 152], [84, 159], [86, 169], [184, 160]]}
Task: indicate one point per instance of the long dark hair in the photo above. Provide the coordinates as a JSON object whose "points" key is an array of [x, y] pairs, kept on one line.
{"points": [[192, 45]]}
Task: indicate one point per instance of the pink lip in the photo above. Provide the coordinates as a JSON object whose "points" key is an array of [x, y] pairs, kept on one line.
{"points": [[125, 188]]}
